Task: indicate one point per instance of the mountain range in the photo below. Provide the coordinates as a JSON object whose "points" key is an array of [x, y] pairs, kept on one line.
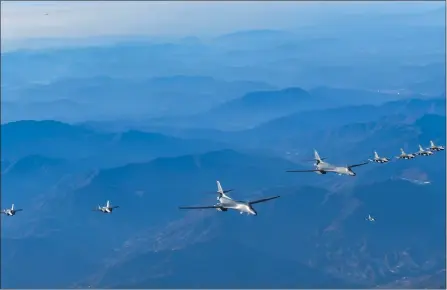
{"points": [[158, 241], [78, 99], [151, 124], [91, 148]]}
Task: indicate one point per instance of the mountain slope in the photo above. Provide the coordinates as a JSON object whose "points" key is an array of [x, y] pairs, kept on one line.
{"points": [[196, 267], [329, 233], [148, 195], [353, 131], [92, 148], [82, 99]]}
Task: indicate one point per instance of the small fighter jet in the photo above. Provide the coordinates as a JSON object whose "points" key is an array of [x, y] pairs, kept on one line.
{"points": [[423, 152], [404, 155], [433, 147], [370, 218], [10, 211], [378, 159], [225, 203], [106, 209]]}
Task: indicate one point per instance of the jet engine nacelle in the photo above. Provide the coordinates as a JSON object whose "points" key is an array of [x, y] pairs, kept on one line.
{"points": [[222, 209]]}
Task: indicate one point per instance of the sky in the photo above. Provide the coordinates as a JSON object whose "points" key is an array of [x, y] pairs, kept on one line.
{"points": [[78, 19]]}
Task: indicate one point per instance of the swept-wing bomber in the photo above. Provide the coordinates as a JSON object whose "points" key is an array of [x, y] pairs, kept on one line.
{"points": [[225, 203], [324, 167]]}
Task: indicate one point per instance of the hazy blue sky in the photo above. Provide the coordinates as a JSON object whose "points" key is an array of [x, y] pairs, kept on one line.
{"points": [[24, 20]]}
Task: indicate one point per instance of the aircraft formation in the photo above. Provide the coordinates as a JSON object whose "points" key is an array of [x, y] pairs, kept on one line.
{"points": [[225, 202]]}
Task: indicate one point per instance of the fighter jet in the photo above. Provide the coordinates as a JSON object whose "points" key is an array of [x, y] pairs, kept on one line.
{"points": [[433, 147], [225, 203], [423, 152], [404, 155], [370, 218], [378, 159], [324, 167], [10, 211], [106, 209]]}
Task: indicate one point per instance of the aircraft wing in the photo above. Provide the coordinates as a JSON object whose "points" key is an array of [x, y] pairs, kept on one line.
{"points": [[115, 206], [360, 164], [263, 200], [309, 170], [199, 207], [16, 210]]}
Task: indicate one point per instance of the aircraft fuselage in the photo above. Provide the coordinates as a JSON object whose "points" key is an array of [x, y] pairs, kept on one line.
{"points": [[106, 210], [406, 157], [436, 148], [227, 203], [381, 160], [324, 167]]}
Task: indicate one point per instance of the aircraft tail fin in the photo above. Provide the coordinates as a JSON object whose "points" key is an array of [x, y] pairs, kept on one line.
{"points": [[432, 144], [317, 156], [376, 155], [12, 206], [220, 190], [219, 187], [108, 203], [420, 148], [402, 151]]}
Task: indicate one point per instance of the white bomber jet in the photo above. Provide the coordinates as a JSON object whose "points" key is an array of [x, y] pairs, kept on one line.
{"points": [[225, 203], [10, 211], [107, 208], [423, 152], [404, 155], [324, 167], [378, 159], [433, 147]]}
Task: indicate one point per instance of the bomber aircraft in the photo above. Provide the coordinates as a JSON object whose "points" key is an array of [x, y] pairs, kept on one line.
{"points": [[433, 147], [378, 159], [10, 211], [225, 203], [423, 152], [404, 155], [324, 167], [107, 208]]}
